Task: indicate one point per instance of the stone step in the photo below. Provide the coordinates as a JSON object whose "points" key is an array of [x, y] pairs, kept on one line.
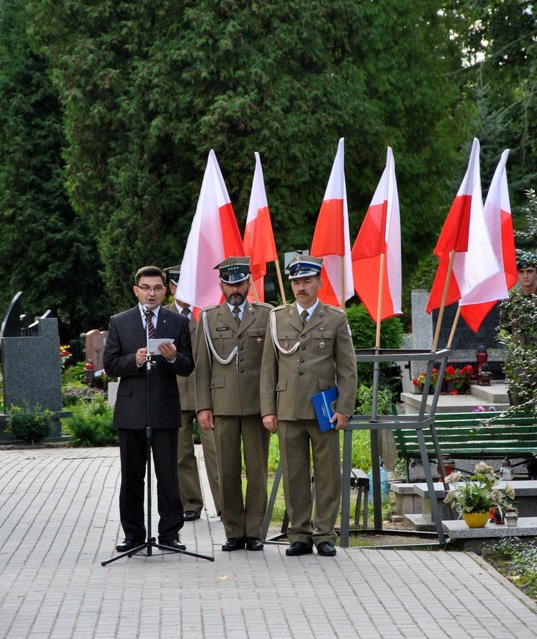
{"points": [[449, 403]]}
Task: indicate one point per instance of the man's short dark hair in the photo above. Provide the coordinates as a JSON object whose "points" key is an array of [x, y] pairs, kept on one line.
{"points": [[149, 271]]}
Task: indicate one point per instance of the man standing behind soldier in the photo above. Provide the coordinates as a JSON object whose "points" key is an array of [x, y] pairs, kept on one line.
{"points": [[308, 349], [187, 464], [229, 347]]}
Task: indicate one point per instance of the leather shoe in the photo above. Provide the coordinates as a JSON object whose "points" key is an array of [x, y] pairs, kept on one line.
{"points": [[326, 549], [252, 543], [172, 543], [233, 543], [298, 548], [191, 515], [128, 544]]}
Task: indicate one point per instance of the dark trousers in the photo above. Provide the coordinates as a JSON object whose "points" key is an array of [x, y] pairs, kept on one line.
{"points": [[133, 453]]}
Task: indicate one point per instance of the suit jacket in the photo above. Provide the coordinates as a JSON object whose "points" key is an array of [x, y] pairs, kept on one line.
{"points": [[325, 358], [126, 334], [186, 384], [233, 388]]}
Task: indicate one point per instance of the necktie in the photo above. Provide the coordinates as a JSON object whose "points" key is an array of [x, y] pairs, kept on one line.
{"points": [[304, 316], [236, 312], [186, 311], [151, 326]]}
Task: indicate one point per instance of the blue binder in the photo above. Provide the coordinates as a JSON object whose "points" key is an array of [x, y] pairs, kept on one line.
{"points": [[324, 404]]}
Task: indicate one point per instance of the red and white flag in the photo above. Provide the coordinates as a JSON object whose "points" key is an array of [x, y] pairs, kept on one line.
{"points": [[465, 233], [379, 234], [331, 239], [214, 235], [497, 212], [258, 238]]}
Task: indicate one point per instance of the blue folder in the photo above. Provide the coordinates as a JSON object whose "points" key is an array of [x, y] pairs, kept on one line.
{"points": [[324, 404]]}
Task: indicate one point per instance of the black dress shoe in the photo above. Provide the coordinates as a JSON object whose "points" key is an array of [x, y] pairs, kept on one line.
{"points": [[233, 543], [172, 543], [128, 544], [298, 548], [252, 543], [191, 515], [326, 549]]}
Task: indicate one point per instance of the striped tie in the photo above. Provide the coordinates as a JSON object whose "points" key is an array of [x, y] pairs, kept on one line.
{"points": [[151, 327], [304, 317]]}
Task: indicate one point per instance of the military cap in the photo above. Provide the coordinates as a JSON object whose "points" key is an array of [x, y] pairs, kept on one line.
{"points": [[304, 266], [234, 270], [525, 259], [172, 274]]}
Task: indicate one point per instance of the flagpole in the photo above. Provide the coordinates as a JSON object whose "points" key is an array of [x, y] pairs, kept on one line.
{"points": [[280, 281], [379, 299], [342, 277], [254, 289], [443, 302]]}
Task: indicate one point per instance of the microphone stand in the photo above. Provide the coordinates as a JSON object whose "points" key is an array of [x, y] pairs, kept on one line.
{"points": [[151, 542]]}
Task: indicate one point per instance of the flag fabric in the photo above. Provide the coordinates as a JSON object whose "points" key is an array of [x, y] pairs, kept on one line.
{"points": [[258, 238], [379, 234], [465, 233], [331, 238], [214, 236], [497, 213]]}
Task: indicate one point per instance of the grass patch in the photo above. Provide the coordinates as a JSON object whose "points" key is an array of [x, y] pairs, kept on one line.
{"points": [[516, 560]]}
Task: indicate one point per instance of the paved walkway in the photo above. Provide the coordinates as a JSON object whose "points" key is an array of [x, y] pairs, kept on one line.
{"points": [[59, 520]]}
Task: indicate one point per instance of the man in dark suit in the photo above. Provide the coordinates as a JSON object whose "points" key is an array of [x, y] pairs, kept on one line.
{"points": [[125, 357]]}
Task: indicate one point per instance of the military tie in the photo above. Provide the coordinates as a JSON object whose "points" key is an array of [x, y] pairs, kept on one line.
{"points": [[304, 317], [186, 311], [236, 312], [151, 327]]}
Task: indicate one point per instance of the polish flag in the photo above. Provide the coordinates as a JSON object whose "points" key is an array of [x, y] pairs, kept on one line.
{"points": [[258, 236], [331, 239], [379, 234], [465, 233], [497, 212], [214, 236]]}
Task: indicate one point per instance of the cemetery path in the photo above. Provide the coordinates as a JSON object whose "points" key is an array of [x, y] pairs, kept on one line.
{"points": [[59, 520]]}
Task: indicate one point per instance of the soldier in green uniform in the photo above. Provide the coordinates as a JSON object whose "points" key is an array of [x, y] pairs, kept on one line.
{"points": [[187, 464], [229, 347], [308, 349]]}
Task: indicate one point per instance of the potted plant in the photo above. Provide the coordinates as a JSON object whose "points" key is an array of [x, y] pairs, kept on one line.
{"points": [[474, 496], [419, 381]]}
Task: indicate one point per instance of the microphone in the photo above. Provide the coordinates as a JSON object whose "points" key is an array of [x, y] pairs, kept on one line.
{"points": [[146, 309]]}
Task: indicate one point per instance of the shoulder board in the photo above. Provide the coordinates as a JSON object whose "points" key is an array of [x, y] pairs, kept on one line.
{"points": [[335, 308], [281, 307], [262, 304], [205, 309]]}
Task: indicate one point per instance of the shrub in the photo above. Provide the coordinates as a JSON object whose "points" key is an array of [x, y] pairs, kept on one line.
{"points": [[91, 424], [363, 331], [31, 424], [78, 393]]}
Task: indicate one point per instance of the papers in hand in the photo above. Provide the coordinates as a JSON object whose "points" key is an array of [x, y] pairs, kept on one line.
{"points": [[156, 342], [324, 404]]}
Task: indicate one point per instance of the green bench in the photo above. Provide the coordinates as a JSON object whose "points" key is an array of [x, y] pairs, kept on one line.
{"points": [[473, 436]]}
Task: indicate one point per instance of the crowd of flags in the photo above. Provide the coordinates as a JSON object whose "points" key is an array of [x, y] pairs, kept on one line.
{"points": [[475, 249]]}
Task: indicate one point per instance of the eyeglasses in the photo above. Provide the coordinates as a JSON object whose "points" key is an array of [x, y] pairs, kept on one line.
{"points": [[156, 289]]}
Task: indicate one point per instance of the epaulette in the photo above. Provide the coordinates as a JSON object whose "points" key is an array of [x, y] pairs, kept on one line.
{"points": [[335, 308], [262, 304], [280, 307], [209, 308]]}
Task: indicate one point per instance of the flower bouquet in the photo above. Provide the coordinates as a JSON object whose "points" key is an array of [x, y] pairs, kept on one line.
{"points": [[477, 493]]}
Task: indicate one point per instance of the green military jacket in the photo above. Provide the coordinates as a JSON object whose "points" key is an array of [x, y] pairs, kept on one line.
{"points": [[300, 361], [228, 359]]}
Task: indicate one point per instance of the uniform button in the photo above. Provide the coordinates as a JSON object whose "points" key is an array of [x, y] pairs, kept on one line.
{"points": [[242, 370], [300, 373], [301, 361], [302, 348]]}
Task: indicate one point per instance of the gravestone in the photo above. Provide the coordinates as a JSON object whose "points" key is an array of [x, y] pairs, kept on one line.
{"points": [[31, 367], [465, 341], [95, 341]]}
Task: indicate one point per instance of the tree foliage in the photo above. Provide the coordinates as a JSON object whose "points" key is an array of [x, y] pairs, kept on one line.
{"points": [[45, 250], [148, 88]]}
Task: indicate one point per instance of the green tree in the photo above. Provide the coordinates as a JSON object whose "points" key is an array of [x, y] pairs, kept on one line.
{"points": [[148, 88], [45, 250]]}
